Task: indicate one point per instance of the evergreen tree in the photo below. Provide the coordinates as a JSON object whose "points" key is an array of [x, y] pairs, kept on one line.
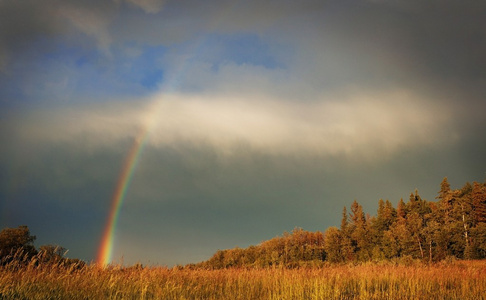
{"points": [[360, 232], [478, 195], [344, 220], [379, 223], [401, 211], [333, 246], [445, 188], [430, 231], [478, 237]]}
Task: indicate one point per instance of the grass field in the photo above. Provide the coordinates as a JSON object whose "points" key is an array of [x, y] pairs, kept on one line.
{"points": [[456, 280]]}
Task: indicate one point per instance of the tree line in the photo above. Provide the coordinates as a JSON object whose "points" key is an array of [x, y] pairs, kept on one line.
{"points": [[17, 249], [454, 226]]}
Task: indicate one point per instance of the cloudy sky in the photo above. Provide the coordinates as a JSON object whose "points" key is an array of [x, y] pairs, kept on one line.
{"points": [[260, 116]]}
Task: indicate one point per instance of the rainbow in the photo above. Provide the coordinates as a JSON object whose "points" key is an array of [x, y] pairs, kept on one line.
{"points": [[105, 251]]}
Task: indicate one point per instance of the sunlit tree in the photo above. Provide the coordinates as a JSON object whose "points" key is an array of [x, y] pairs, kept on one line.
{"points": [[16, 242]]}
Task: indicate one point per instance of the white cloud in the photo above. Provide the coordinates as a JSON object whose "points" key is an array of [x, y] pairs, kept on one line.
{"points": [[360, 125]]}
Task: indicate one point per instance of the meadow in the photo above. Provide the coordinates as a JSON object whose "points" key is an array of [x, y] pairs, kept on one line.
{"points": [[452, 280]]}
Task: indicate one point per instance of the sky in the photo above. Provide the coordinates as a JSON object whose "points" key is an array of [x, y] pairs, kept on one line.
{"points": [[247, 118]]}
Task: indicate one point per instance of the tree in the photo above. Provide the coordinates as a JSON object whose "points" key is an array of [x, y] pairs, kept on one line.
{"points": [[478, 195], [344, 220], [414, 226], [386, 216], [401, 211], [332, 245], [390, 244], [431, 234], [446, 201], [379, 222], [478, 235], [51, 253], [453, 226], [359, 232], [445, 188], [16, 241], [398, 241], [390, 214]]}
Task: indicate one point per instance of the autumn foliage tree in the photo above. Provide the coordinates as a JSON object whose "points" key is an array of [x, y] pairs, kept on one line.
{"points": [[15, 243], [419, 229], [454, 226], [294, 249], [17, 250]]}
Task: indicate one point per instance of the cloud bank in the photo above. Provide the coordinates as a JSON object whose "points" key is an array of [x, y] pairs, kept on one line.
{"points": [[261, 115], [359, 125]]}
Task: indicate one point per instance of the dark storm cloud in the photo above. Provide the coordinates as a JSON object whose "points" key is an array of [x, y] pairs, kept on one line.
{"points": [[399, 43], [285, 112], [24, 23]]}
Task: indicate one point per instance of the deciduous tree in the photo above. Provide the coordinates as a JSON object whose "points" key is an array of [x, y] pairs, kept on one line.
{"points": [[16, 241]]}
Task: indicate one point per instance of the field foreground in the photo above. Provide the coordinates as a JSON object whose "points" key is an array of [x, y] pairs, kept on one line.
{"points": [[457, 280]]}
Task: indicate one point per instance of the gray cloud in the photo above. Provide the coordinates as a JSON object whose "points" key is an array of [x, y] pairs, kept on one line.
{"points": [[187, 202], [149, 6], [348, 100], [188, 197], [330, 44]]}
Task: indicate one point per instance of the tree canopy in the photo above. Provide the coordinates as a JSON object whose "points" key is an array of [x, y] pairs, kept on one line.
{"points": [[16, 241], [17, 249], [454, 226]]}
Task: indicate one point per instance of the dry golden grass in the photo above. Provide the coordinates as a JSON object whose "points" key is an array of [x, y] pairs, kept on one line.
{"points": [[457, 280]]}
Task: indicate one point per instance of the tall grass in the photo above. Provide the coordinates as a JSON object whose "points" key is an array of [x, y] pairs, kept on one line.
{"points": [[457, 280]]}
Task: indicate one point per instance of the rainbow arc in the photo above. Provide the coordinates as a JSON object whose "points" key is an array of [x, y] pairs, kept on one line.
{"points": [[105, 251]]}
